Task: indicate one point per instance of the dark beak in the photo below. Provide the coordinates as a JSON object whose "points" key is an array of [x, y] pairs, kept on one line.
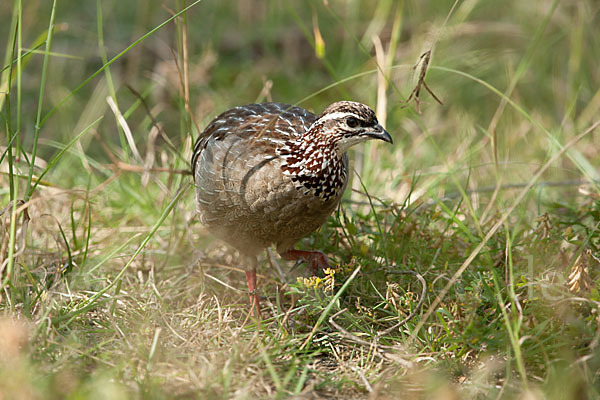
{"points": [[379, 133]]}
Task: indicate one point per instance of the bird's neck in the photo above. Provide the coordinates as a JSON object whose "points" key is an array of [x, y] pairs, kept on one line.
{"points": [[314, 165]]}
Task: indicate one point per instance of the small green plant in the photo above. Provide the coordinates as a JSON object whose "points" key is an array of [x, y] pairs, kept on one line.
{"points": [[470, 269]]}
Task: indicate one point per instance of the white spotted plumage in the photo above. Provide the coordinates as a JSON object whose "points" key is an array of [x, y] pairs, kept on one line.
{"points": [[272, 173]]}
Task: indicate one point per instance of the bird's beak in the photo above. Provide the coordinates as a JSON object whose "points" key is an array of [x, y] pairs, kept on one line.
{"points": [[379, 133]]}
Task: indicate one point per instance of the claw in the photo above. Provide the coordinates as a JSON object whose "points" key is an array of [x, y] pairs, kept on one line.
{"points": [[316, 260], [298, 263]]}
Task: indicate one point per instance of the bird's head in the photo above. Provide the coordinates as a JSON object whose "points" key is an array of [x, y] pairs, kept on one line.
{"points": [[346, 123]]}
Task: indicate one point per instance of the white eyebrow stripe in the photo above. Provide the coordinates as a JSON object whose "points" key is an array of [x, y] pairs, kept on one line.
{"points": [[337, 115]]}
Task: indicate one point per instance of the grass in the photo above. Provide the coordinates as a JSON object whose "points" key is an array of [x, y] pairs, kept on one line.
{"points": [[112, 289]]}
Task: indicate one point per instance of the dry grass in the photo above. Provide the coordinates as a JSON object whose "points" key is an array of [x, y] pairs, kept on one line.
{"points": [[112, 289]]}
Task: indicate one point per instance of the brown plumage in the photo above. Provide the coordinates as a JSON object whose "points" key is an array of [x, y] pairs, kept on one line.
{"points": [[272, 173]]}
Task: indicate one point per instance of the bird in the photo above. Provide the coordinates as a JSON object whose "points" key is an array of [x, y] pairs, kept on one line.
{"points": [[272, 173]]}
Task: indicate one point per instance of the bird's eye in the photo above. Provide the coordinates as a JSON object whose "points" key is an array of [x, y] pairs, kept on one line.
{"points": [[352, 122]]}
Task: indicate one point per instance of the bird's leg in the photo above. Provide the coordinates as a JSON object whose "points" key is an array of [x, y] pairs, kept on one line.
{"points": [[316, 260], [254, 299]]}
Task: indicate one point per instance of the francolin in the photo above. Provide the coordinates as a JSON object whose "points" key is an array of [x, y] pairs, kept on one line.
{"points": [[272, 173]]}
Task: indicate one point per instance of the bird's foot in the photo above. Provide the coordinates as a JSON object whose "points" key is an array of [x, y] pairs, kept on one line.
{"points": [[317, 261]]}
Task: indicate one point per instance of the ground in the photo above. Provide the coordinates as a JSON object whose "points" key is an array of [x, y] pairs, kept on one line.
{"points": [[464, 257]]}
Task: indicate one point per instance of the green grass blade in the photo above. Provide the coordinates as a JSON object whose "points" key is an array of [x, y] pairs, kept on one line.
{"points": [[60, 154], [36, 132], [92, 302], [330, 305], [114, 59]]}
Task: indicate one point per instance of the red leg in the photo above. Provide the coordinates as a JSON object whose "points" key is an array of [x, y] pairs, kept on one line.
{"points": [[316, 260], [254, 300]]}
